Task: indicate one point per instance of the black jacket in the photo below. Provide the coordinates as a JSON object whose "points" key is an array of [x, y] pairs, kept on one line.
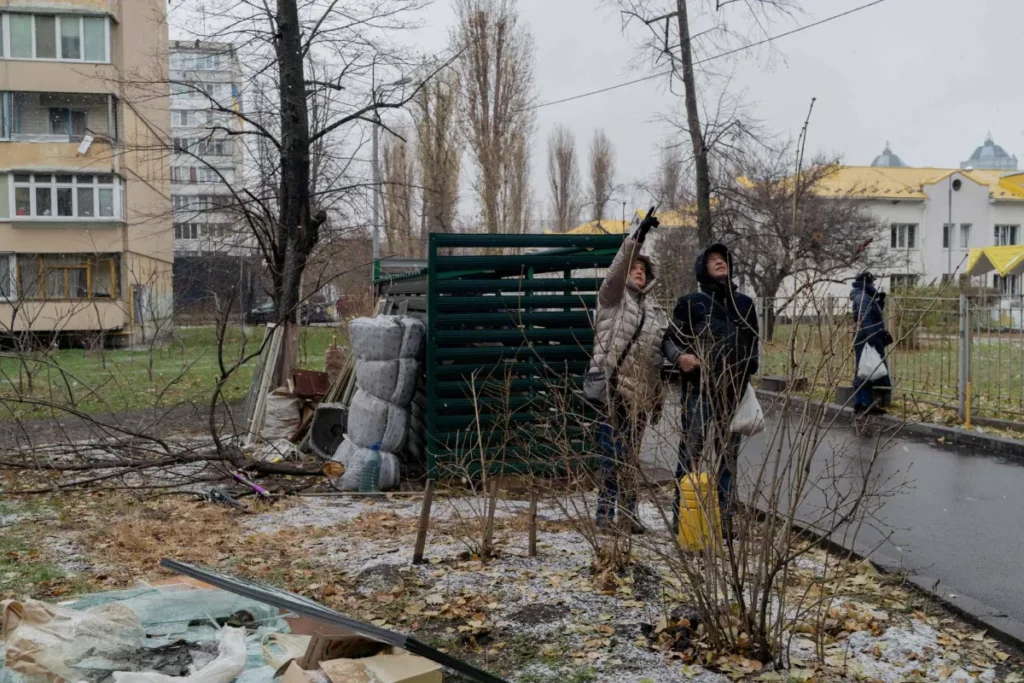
{"points": [[718, 325]]}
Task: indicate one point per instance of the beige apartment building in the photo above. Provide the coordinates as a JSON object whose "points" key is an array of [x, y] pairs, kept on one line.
{"points": [[86, 240]]}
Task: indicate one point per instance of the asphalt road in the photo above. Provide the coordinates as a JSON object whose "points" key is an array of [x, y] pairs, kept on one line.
{"points": [[958, 516]]}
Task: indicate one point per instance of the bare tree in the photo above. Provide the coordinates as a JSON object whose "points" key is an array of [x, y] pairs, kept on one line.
{"points": [[564, 178], [438, 153], [497, 81], [685, 34], [668, 187], [315, 74], [399, 178], [602, 173], [827, 238]]}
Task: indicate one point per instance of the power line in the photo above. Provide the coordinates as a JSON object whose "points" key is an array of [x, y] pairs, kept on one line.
{"points": [[706, 59]]}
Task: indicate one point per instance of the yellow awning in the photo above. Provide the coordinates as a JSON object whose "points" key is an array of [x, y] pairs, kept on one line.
{"points": [[1004, 260]]}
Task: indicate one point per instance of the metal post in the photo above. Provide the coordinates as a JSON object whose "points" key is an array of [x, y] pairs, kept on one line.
{"points": [[376, 198], [964, 362], [949, 231], [759, 309]]}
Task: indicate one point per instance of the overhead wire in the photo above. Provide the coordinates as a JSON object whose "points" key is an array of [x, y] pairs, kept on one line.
{"points": [[727, 53]]}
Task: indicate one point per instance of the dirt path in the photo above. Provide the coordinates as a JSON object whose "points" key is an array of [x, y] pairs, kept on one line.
{"points": [[182, 420]]}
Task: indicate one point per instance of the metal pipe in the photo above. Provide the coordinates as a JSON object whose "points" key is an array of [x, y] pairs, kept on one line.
{"points": [[376, 197], [963, 368]]}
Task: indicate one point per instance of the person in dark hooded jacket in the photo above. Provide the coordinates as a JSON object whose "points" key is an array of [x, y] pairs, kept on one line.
{"points": [[713, 339], [868, 314]]}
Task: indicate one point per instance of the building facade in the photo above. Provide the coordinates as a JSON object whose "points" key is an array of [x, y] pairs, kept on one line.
{"points": [[214, 255], [932, 217], [85, 240]]}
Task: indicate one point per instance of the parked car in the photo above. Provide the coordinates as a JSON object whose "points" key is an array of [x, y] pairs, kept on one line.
{"points": [[309, 312]]}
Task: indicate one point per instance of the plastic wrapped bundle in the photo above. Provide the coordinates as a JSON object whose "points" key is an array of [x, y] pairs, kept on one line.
{"points": [[393, 381], [386, 337], [373, 421]]}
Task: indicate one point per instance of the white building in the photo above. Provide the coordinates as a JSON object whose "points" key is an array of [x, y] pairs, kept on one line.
{"points": [[933, 216], [207, 160]]}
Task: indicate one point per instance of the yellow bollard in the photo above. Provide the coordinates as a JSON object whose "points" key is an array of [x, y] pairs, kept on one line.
{"points": [[967, 423], [699, 522]]}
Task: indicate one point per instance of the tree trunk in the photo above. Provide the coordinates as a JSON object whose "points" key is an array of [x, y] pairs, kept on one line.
{"points": [[296, 231], [768, 333], [700, 153]]}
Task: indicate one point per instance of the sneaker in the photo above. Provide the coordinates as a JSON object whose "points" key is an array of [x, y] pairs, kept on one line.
{"points": [[636, 528], [877, 410], [858, 409]]}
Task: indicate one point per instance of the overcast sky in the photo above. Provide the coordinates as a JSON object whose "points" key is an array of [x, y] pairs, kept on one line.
{"points": [[931, 76]]}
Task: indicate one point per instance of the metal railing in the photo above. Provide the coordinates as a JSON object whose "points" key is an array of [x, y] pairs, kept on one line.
{"points": [[948, 352]]}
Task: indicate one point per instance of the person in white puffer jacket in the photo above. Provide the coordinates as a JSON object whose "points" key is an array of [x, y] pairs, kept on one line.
{"points": [[627, 347]]}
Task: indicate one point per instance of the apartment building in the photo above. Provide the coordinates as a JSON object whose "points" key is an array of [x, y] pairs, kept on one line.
{"points": [[85, 239], [213, 249]]}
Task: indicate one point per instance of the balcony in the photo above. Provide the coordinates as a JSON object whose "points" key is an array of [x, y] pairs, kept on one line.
{"points": [[57, 117]]}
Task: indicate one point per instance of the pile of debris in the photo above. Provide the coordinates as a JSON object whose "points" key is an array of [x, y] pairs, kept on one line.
{"points": [[354, 413], [193, 632]]}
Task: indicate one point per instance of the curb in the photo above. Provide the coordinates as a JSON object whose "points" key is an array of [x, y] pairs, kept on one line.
{"points": [[999, 625], [955, 436]]}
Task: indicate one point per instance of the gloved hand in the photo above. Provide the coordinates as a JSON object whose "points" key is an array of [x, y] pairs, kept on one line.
{"points": [[645, 227]]}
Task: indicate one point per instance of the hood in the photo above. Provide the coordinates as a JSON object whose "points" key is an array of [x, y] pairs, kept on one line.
{"points": [[707, 283], [864, 282], [652, 276]]}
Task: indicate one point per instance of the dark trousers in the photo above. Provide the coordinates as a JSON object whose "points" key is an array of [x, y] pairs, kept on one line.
{"points": [[865, 389], [619, 436], [699, 424]]}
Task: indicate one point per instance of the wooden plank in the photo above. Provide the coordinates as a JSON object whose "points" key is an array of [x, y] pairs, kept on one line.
{"points": [[421, 531]]}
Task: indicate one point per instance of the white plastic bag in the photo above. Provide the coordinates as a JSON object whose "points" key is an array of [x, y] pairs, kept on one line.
{"points": [[749, 417], [283, 416], [871, 367], [227, 667], [47, 640]]}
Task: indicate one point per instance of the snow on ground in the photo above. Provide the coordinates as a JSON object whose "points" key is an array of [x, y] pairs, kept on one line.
{"points": [[550, 600]]}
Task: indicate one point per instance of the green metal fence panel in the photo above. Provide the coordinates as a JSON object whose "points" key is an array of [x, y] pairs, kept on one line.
{"points": [[509, 337]]}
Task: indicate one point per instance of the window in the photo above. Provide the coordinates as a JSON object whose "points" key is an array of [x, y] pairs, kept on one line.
{"points": [[902, 281], [1006, 235], [903, 235], [66, 196], [68, 276], [1007, 286], [71, 37], [45, 36], [186, 231], [965, 235], [7, 271], [95, 29], [945, 235], [61, 117], [20, 26], [179, 117]]}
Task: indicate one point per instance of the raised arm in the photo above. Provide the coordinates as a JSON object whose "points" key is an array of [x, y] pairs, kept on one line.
{"points": [[614, 284]]}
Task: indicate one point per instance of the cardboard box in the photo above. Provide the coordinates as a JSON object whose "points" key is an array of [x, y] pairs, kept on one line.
{"points": [[400, 667]]}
